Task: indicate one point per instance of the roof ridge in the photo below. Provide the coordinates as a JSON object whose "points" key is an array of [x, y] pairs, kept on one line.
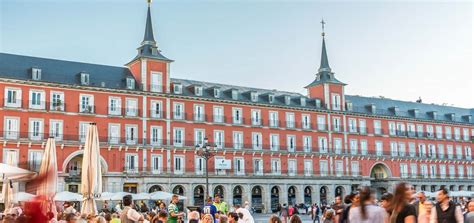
{"points": [[411, 102], [59, 60]]}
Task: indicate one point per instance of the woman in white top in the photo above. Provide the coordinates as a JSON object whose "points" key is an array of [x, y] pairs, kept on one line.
{"points": [[367, 212]]}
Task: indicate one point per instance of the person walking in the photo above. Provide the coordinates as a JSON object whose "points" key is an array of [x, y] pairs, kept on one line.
{"points": [[284, 214], [469, 216], [445, 211], [129, 215], [367, 211], [315, 211], [402, 211], [220, 205], [173, 211], [419, 204]]}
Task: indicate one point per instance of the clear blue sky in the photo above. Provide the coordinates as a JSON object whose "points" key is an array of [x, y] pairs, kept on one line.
{"points": [[400, 50]]}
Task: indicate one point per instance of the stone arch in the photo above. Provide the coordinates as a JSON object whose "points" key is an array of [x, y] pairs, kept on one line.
{"points": [[292, 191], [340, 191], [198, 195], [220, 190], [323, 195], [179, 190], [155, 188], [380, 170], [308, 195], [275, 198], [237, 194], [103, 163], [257, 196]]}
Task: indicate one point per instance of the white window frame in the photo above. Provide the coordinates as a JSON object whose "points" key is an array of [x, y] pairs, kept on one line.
{"points": [[292, 167], [199, 165], [238, 139], [154, 112], [291, 143], [131, 158], [114, 138], [460, 171], [156, 135], [336, 124], [179, 166], [321, 123], [15, 100], [218, 114], [34, 159], [156, 167], [219, 139], [414, 170], [56, 133], [83, 131], [42, 100], [239, 171], [336, 101], [337, 146], [412, 149], [379, 148], [323, 168], [57, 101], [177, 88], [273, 119], [11, 127], [257, 141], [256, 117], [392, 128], [308, 167], [178, 110], [353, 146], [307, 144], [199, 135], [199, 114], [377, 127], [323, 144], [86, 107], [257, 166], [156, 81], [403, 170], [355, 168], [131, 139], [339, 166], [274, 142], [290, 120], [447, 132], [237, 116], [363, 147], [442, 171], [117, 109], [352, 125], [276, 166], [306, 121]]}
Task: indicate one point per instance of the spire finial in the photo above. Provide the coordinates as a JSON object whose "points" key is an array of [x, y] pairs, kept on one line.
{"points": [[322, 25], [149, 2]]}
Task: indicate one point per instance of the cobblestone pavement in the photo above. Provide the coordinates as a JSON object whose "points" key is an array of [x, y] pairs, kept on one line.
{"points": [[263, 218]]}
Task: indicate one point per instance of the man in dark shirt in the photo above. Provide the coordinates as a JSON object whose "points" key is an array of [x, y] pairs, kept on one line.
{"points": [[209, 208]]}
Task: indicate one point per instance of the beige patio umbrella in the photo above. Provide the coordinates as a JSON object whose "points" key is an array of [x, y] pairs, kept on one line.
{"points": [[91, 178], [7, 195], [49, 175]]}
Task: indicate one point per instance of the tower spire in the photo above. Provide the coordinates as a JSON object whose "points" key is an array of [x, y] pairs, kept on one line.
{"points": [[324, 66], [148, 38]]}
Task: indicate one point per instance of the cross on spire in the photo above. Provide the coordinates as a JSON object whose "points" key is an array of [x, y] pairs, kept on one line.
{"points": [[322, 25]]}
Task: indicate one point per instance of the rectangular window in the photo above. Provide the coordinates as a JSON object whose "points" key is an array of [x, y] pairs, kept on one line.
{"points": [[392, 128], [321, 123], [258, 166], [433, 171], [414, 170], [36, 129], [115, 106], [431, 151], [377, 127], [57, 101], [412, 149], [178, 138], [323, 166], [362, 126], [401, 129], [179, 164], [177, 88], [422, 150], [12, 97], [237, 115], [86, 103], [441, 151], [394, 148], [424, 170], [273, 119], [257, 140], [276, 167], [199, 135], [34, 160], [339, 168], [403, 170], [130, 83], [156, 82], [323, 144], [452, 171], [458, 151], [306, 121], [429, 131], [291, 167], [469, 172], [338, 146], [447, 132], [178, 111], [219, 139], [465, 134], [256, 117], [83, 131], [411, 130], [291, 143], [131, 137], [439, 132], [274, 142], [156, 109], [131, 162], [457, 133], [290, 120], [449, 151], [353, 146], [401, 149], [238, 140], [308, 168], [379, 148], [307, 144], [199, 165], [114, 133], [37, 100], [467, 151], [217, 93], [199, 113], [156, 137], [10, 157], [239, 166], [419, 130], [352, 125], [355, 168], [363, 147], [442, 171], [156, 164], [218, 114], [56, 129], [336, 102], [336, 124], [460, 171]]}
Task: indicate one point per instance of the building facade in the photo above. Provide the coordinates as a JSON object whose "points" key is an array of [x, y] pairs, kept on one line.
{"points": [[283, 147]]}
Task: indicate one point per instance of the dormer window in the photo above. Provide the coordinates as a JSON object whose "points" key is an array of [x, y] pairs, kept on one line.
{"points": [[178, 89], [217, 93], [271, 98], [130, 83], [36, 74], [303, 101], [287, 100], [253, 96], [235, 95], [85, 79], [198, 90]]}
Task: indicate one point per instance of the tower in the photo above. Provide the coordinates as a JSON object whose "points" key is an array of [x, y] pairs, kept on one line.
{"points": [[150, 68], [326, 87]]}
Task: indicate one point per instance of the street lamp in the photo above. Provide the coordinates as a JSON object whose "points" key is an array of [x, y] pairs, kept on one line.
{"points": [[206, 152]]}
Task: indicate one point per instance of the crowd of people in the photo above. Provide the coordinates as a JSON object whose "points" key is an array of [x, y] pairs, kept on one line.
{"points": [[404, 205]]}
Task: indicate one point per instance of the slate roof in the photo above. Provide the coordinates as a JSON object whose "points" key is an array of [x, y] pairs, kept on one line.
{"points": [[63, 72], [67, 72]]}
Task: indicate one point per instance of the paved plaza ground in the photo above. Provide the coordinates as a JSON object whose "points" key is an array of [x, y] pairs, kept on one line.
{"points": [[263, 218]]}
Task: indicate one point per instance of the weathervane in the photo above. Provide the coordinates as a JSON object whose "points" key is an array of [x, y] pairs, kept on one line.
{"points": [[322, 24]]}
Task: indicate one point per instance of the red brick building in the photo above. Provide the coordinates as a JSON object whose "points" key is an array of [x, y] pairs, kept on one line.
{"points": [[283, 147]]}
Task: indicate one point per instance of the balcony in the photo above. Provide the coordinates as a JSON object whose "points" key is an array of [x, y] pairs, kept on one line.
{"points": [[12, 103], [179, 116], [87, 109], [273, 123], [37, 105], [219, 119], [199, 117], [157, 114]]}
